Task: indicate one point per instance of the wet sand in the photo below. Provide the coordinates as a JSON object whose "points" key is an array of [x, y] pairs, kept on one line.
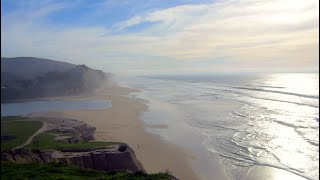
{"points": [[121, 123]]}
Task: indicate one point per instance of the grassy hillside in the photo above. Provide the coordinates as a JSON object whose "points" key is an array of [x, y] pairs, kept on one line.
{"points": [[14, 133], [62, 171], [15, 130], [46, 141]]}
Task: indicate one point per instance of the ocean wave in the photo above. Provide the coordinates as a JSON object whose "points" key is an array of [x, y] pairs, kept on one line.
{"points": [[279, 87], [303, 134], [246, 154], [246, 161], [239, 114], [290, 102], [208, 125], [279, 92], [268, 99], [295, 125]]}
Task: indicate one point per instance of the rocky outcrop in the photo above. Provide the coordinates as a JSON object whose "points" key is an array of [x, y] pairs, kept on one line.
{"points": [[80, 130], [85, 131], [72, 140], [100, 159]]}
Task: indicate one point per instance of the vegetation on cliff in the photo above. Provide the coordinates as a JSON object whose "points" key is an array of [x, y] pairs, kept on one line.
{"points": [[14, 133], [15, 130], [36, 159], [63, 171], [47, 141]]}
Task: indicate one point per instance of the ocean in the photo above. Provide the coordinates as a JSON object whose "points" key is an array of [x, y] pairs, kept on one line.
{"points": [[246, 121]]}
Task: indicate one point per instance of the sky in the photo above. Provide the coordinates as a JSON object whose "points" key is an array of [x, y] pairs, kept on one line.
{"points": [[141, 37]]}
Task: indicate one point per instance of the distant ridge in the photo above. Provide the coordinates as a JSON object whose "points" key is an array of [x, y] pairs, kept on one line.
{"points": [[26, 78], [30, 67]]}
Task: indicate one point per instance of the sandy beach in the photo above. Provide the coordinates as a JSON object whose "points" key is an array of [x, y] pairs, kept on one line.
{"points": [[121, 123]]}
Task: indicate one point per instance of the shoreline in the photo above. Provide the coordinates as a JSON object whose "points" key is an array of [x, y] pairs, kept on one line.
{"points": [[122, 123]]}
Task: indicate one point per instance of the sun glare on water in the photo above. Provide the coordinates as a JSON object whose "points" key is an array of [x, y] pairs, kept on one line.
{"points": [[292, 144]]}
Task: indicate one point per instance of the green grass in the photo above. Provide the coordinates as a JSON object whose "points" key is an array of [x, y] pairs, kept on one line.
{"points": [[63, 171], [21, 130], [10, 118], [46, 141]]}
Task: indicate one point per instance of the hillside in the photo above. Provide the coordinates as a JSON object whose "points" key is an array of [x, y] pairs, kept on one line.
{"points": [[30, 67], [27, 78]]}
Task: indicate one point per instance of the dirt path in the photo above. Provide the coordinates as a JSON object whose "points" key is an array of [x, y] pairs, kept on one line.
{"points": [[42, 129]]}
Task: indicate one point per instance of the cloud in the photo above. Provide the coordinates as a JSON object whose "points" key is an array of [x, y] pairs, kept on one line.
{"points": [[248, 34], [47, 10], [31, 11], [128, 23]]}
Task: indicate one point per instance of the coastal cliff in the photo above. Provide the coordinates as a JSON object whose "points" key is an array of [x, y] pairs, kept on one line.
{"points": [[118, 158], [68, 141]]}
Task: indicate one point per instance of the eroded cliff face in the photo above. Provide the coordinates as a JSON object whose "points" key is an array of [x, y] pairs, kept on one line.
{"points": [[100, 159], [27, 156]]}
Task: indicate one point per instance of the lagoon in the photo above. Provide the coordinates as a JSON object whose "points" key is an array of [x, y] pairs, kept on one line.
{"points": [[25, 108]]}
